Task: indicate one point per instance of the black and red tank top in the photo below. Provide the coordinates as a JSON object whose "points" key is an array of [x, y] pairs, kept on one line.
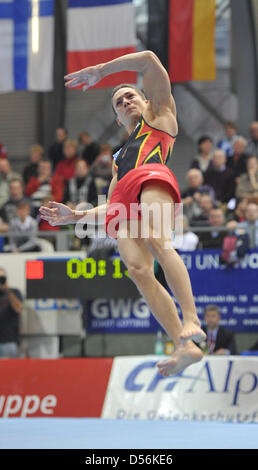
{"points": [[145, 145]]}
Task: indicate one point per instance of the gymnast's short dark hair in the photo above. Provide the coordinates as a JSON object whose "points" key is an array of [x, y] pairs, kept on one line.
{"points": [[127, 85]]}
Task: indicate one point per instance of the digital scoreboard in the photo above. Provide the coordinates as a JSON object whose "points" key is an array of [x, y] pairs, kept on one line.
{"points": [[86, 278]]}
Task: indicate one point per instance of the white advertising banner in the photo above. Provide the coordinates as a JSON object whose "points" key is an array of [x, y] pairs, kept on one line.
{"points": [[215, 389]]}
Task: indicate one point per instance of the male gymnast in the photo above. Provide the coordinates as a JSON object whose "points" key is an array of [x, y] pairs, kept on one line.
{"points": [[141, 178]]}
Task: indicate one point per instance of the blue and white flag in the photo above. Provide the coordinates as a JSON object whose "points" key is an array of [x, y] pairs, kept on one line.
{"points": [[26, 45]]}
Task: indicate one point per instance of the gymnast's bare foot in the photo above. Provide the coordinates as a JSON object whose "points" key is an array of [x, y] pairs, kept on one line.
{"points": [[183, 357], [192, 331]]}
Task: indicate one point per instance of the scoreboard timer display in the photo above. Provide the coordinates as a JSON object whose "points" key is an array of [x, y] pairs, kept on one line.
{"points": [[86, 278]]}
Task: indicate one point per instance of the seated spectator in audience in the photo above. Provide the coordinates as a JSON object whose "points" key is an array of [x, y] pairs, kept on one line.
{"points": [[250, 225], [11, 305], [220, 178], [8, 210], [220, 341], [82, 187], [89, 149], [7, 172], [238, 215], [4, 184], [238, 160], [26, 226], [90, 152], [55, 152], [185, 241], [3, 151], [66, 167], [6, 175], [252, 144], [36, 153], [84, 139], [203, 159], [213, 238], [191, 195], [202, 219], [101, 169], [44, 184], [247, 185], [227, 142]]}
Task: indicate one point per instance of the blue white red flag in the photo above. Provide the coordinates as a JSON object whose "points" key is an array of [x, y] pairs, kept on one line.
{"points": [[100, 31], [26, 45]]}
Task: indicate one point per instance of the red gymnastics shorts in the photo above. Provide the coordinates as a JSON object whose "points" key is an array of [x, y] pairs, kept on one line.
{"points": [[125, 204]]}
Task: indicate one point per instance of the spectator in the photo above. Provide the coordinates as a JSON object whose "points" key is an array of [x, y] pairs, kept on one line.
{"points": [[252, 145], [6, 175], [238, 160], [214, 238], [88, 149], [101, 169], [84, 140], [36, 153], [66, 167], [220, 178], [191, 195], [3, 151], [203, 159], [82, 187], [220, 341], [11, 304], [6, 170], [44, 184], [227, 142], [247, 185], [202, 219], [4, 184], [250, 225], [186, 241], [55, 152], [238, 215], [23, 224], [8, 210]]}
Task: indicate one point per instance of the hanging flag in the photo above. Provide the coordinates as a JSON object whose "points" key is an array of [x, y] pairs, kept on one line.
{"points": [[191, 40], [26, 45], [100, 31]]}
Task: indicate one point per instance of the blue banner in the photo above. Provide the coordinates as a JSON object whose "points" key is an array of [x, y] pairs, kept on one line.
{"points": [[234, 290]]}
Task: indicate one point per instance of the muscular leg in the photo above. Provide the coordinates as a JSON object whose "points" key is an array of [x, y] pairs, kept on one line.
{"points": [[139, 261], [174, 268], [140, 264]]}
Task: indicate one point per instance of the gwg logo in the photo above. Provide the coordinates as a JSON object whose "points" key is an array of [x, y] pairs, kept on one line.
{"points": [[103, 309]]}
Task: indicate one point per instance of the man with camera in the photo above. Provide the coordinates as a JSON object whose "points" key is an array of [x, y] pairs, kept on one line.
{"points": [[11, 304]]}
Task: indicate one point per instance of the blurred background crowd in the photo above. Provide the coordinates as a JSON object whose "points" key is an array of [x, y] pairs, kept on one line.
{"points": [[220, 191]]}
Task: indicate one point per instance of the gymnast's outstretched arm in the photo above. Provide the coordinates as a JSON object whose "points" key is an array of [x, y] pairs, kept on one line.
{"points": [[60, 214]]}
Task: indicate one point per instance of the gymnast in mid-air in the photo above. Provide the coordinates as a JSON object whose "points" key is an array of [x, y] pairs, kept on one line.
{"points": [[141, 181]]}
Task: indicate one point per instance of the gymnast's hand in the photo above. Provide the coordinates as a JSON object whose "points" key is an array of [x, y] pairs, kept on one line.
{"points": [[57, 214], [87, 77]]}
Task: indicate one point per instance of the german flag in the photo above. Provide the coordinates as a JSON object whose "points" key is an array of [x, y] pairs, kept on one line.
{"points": [[191, 40]]}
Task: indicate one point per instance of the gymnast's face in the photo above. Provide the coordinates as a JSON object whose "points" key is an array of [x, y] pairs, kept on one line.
{"points": [[128, 105]]}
